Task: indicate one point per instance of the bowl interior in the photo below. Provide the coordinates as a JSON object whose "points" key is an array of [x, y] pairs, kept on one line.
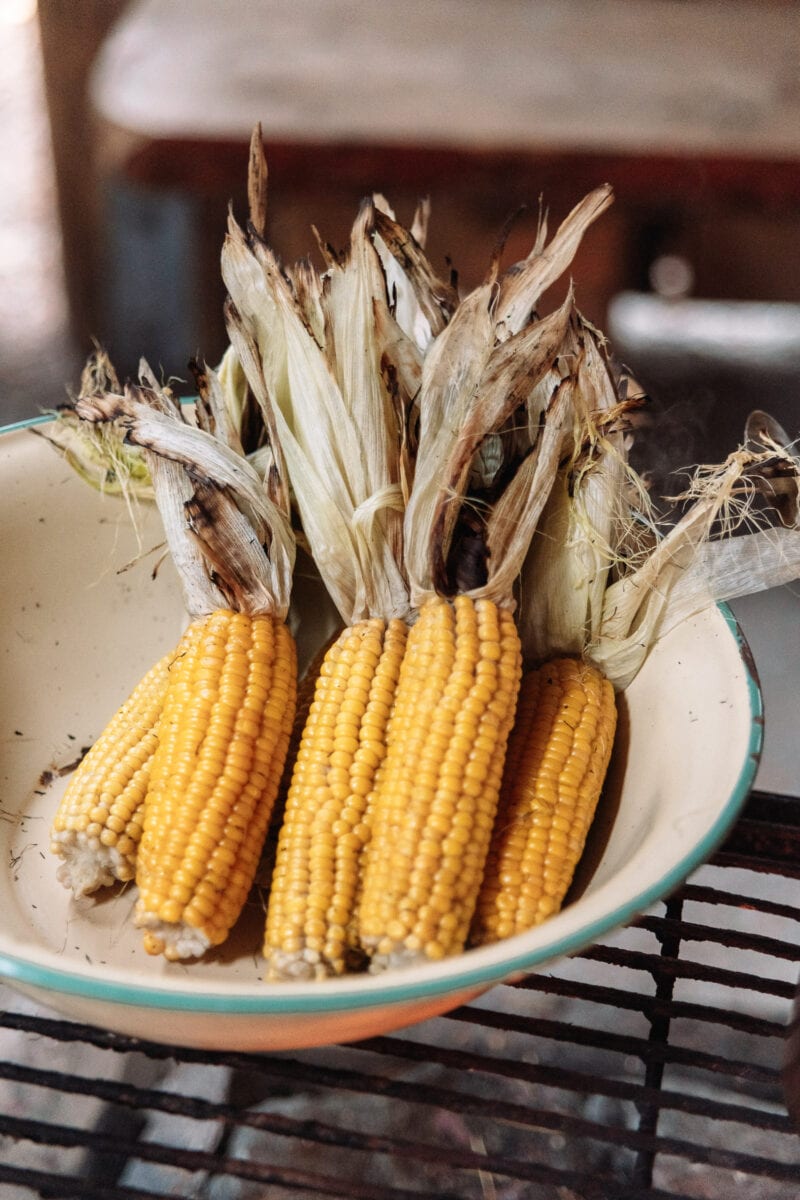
{"points": [[88, 605]]}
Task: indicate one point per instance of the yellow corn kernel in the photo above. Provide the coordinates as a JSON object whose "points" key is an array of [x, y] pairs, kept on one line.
{"points": [[436, 795], [557, 760], [309, 929], [223, 735], [98, 823], [306, 685]]}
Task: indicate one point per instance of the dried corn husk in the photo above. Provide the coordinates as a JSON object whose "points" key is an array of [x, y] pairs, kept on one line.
{"points": [[98, 453], [688, 571], [492, 410], [587, 526], [319, 354], [725, 561], [603, 578], [231, 544], [421, 302], [672, 574]]}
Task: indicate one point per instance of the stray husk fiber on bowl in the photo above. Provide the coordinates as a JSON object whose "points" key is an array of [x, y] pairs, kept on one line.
{"points": [[457, 468]]}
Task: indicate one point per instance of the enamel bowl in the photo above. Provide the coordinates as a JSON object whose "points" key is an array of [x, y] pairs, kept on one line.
{"points": [[82, 625]]}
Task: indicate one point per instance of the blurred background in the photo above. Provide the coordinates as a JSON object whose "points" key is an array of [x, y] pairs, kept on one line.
{"points": [[124, 138]]}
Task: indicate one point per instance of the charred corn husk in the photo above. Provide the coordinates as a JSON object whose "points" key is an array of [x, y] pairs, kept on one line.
{"points": [[557, 760], [230, 695], [98, 823]]}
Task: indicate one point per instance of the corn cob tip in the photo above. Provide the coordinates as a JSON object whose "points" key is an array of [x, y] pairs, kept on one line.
{"points": [[399, 957], [300, 966], [98, 823], [174, 940], [87, 865]]}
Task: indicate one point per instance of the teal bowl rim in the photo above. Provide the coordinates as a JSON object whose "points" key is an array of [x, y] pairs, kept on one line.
{"points": [[341, 995]]}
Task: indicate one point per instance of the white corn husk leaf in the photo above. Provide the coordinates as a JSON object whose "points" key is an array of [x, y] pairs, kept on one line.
{"points": [[252, 283], [510, 383], [335, 418], [269, 460], [736, 566], [265, 458], [577, 543], [685, 572], [406, 308], [401, 370], [592, 585], [451, 374], [100, 457], [516, 514], [212, 411], [307, 287], [233, 384], [472, 385], [421, 302], [522, 287], [99, 453], [232, 547]]}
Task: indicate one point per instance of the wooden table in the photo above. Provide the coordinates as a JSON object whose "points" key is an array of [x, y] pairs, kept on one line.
{"points": [[694, 118]]}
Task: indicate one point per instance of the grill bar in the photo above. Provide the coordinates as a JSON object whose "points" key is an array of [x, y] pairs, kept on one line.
{"points": [[616, 998], [192, 1161], [766, 837], [680, 969], [67, 1187], [711, 895], [197, 1160], [310, 1076], [648, 1051], [313, 1131], [687, 931], [669, 938]]}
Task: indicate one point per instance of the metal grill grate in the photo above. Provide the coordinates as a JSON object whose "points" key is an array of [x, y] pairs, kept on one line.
{"points": [[648, 1066]]}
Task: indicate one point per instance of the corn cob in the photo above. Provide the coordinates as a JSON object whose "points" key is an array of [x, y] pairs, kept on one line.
{"points": [[591, 631], [229, 701], [436, 797], [223, 735], [98, 823], [558, 755], [316, 881]]}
